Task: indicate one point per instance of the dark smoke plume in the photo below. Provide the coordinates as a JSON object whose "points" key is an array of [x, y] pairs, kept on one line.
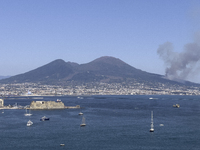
{"points": [[180, 65]]}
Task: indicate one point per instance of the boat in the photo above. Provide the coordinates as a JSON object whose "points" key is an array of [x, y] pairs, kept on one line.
{"points": [[29, 123], [44, 118], [27, 114], [80, 113], [83, 122], [58, 100], [176, 106], [62, 144], [152, 129], [2, 112], [80, 97]]}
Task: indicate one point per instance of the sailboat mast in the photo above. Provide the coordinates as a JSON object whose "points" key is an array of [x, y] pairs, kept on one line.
{"points": [[151, 119], [152, 129]]}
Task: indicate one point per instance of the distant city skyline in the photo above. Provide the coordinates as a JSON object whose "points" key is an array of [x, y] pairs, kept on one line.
{"points": [[34, 33]]}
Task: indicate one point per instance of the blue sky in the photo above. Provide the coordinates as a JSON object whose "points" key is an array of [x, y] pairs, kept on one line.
{"points": [[36, 32]]}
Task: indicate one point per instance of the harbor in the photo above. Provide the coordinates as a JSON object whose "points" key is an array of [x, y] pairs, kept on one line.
{"points": [[111, 122]]}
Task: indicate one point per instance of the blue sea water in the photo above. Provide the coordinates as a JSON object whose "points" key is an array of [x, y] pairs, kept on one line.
{"points": [[113, 123]]}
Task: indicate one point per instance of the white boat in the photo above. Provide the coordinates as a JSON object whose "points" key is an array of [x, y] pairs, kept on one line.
{"points": [[80, 113], [83, 122], [27, 114], [152, 129], [58, 100], [29, 123]]}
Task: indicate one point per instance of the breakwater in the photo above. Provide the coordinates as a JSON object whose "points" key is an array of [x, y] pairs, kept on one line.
{"points": [[41, 105]]}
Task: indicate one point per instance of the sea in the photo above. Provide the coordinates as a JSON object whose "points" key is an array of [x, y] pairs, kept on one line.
{"points": [[112, 123]]}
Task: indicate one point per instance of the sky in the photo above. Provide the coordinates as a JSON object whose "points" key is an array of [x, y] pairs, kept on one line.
{"points": [[36, 32]]}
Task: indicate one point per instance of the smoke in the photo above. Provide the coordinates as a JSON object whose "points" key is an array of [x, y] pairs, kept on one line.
{"points": [[184, 65], [180, 66]]}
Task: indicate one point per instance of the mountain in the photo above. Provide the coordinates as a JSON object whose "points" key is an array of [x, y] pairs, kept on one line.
{"points": [[104, 69]]}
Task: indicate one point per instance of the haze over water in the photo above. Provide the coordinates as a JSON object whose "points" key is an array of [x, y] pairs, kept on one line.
{"points": [[112, 123]]}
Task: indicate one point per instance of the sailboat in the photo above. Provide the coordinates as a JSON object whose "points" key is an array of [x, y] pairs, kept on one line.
{"points": [[27, 114], [152, 129], [83, 122]]}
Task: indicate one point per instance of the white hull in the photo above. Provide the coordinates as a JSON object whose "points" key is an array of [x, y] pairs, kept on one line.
{"points": [[27, 114], [80, 113], [151, 130], [82, 125]]}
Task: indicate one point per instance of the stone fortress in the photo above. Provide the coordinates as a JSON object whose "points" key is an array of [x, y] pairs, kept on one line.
{"points": [[50, 105], [46, 105]]}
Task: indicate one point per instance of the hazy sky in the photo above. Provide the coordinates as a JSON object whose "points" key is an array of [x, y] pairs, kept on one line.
{"points": [[36, 32]]}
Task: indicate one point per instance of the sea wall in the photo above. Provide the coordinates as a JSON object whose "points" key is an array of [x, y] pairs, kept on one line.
{"points": [[46, 105]]}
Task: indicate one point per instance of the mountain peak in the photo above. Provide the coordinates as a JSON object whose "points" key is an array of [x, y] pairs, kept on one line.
{"points": [[108, 60], [58, 61]]}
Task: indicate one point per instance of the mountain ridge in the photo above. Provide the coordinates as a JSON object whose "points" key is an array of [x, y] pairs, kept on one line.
{"points": [[104, 69]]}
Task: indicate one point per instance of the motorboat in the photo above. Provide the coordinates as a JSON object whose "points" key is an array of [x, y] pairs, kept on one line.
{"points": [[44, 118], [29, 123], [80, 113]]}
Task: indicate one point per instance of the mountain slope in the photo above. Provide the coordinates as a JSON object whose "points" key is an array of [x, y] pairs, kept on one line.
{"points": [[55, 70]]}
